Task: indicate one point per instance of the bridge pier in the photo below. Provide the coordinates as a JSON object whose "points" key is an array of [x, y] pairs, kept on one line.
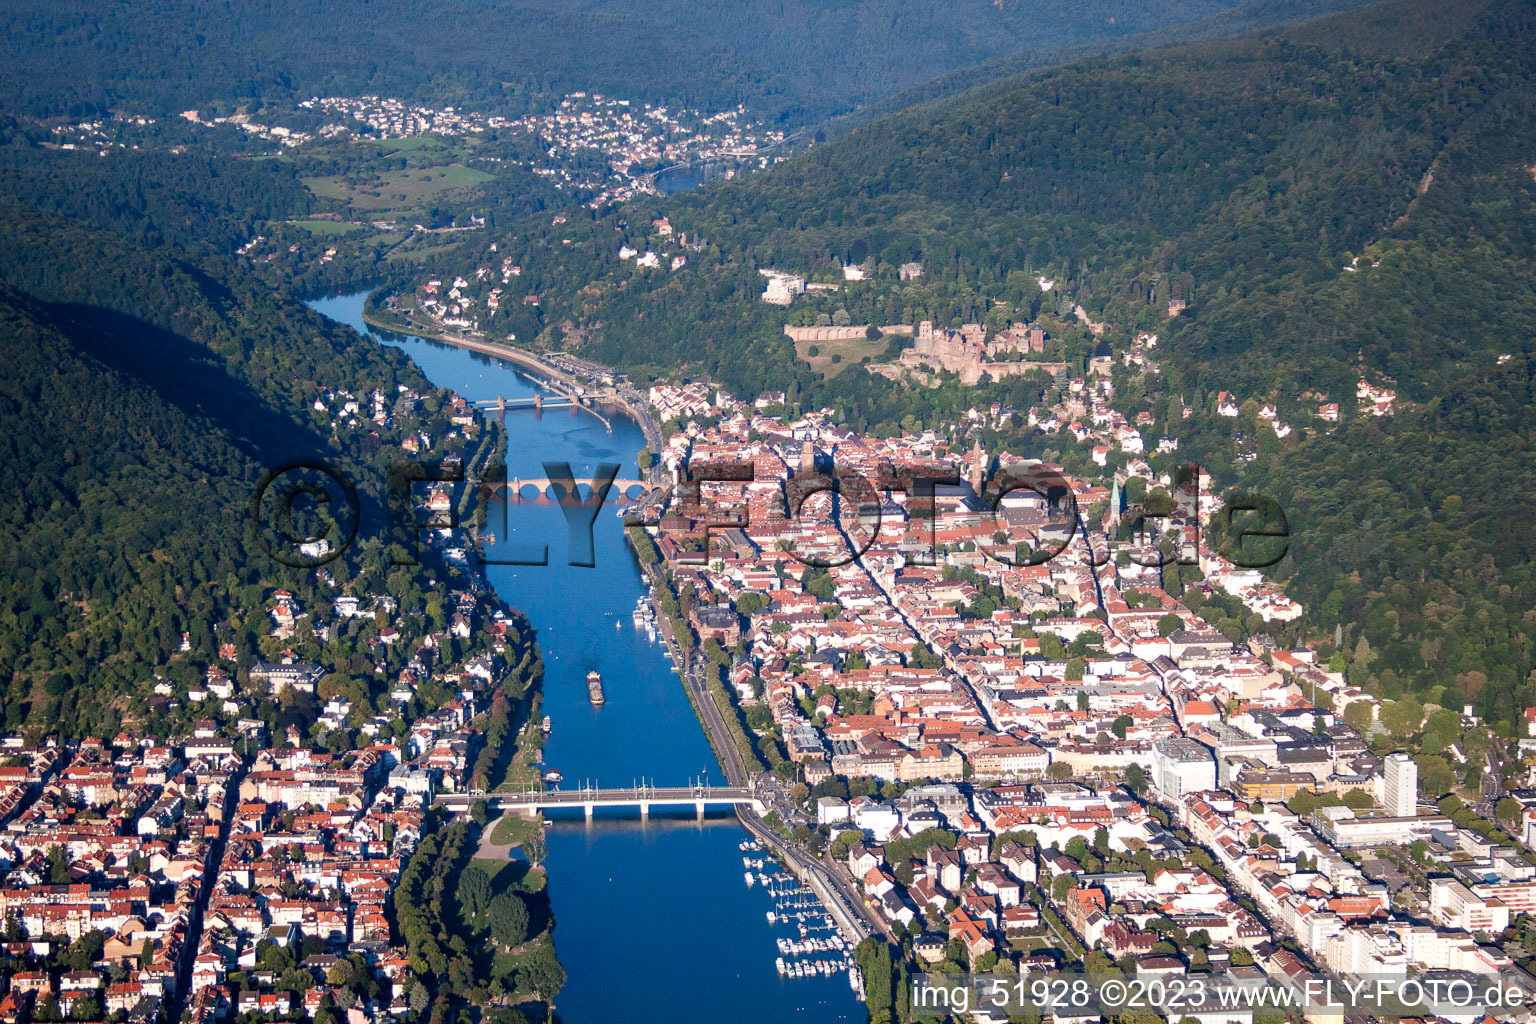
{"points": [[532, 804]]}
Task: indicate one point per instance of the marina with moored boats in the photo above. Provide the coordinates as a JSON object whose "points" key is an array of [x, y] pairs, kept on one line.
{"points": [[818, 948]]}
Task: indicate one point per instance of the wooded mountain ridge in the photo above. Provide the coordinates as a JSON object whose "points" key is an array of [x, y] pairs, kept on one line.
{"points": [[794, 60]]}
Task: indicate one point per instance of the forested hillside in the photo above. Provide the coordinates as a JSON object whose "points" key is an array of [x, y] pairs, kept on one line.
{"points": [[206, 202], [1414, 533], [1242, 19], [100, 474], [142, 399], [1219, 172], [1349, 198], [198, 202], [799, 60]]}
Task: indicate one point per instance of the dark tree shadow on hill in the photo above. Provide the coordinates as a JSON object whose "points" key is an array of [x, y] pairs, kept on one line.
{"points": [[188, 376]]}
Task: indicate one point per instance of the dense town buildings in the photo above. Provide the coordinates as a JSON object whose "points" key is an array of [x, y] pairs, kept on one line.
{"points": [[631, 139], [911, 649], [246, 864]]}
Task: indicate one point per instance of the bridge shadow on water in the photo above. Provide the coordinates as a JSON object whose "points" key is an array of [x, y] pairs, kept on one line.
{"points": [[625, 826], [609, 819]]}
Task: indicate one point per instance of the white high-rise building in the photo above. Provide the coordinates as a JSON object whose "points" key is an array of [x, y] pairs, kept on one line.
{"points": [[1401, 792], [1181, 766]]}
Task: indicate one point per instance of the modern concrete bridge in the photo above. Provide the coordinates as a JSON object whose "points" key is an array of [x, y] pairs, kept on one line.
{"points": [[643, 796]]}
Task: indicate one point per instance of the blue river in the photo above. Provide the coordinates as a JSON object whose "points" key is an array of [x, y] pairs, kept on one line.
{"points": [[654, 919]]}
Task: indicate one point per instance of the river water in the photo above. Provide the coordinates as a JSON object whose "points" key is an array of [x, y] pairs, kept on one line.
{"points": [[655, 922], [686, 177]]}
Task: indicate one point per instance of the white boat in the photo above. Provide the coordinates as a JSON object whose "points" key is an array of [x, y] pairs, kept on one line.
{"points": [[771, 917], [749, 878], [779, 965]]}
